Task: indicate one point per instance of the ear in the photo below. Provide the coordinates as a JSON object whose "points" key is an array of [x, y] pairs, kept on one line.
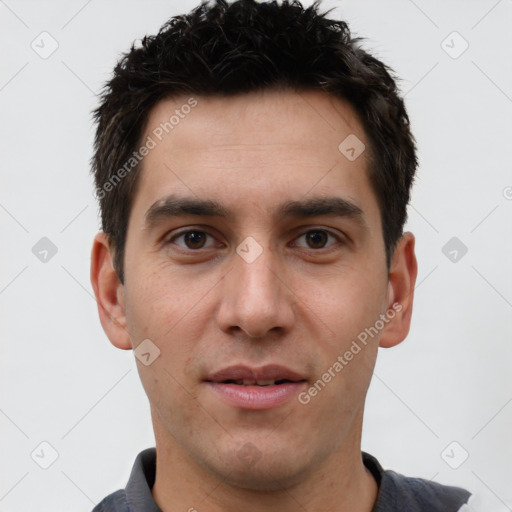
{"points": [[109, 293], [401, 282]]}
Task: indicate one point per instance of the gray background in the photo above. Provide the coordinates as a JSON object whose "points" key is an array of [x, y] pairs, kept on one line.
{"points": [[64, 384]]}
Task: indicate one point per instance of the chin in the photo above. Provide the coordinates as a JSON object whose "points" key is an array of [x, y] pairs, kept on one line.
{"points": [[266, 470], [264, 477]]}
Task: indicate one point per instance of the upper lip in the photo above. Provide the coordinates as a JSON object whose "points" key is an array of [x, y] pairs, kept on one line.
{"points": [[242, 372]]}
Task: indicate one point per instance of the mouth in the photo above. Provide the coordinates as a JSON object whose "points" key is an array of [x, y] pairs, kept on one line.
{"points": [[267, 387], [263, 383]]}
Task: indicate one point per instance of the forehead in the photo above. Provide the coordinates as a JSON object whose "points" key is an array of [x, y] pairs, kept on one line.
{"points": [[254, 149], [254, 120]]}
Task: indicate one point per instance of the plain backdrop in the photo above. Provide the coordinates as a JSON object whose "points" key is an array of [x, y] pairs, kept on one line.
{"points": [[439, 405]]}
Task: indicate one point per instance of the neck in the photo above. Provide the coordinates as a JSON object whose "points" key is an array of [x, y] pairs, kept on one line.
{"points": [[340, 483]]}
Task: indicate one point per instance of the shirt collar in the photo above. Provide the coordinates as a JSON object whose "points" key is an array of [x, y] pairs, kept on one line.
{"points": [[141, 481], [142, 478]]}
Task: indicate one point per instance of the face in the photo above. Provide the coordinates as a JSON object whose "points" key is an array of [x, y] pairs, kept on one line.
{"points": [[255, 252]]}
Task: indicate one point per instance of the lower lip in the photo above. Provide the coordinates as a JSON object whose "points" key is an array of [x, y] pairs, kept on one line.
{"points": [[257, 397]]}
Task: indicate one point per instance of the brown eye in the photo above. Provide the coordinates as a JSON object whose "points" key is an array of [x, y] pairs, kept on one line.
{"points": [[317, 239], [193, 239]]}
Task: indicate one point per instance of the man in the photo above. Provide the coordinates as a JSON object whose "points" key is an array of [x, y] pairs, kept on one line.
{"points": [[253, 166]]}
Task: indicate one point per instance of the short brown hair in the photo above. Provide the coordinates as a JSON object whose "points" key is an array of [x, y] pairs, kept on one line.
{"points": [[240, 47]]}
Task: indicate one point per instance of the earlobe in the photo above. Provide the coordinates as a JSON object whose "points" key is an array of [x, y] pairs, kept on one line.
{"points": [[109, 293], [401, 283]]}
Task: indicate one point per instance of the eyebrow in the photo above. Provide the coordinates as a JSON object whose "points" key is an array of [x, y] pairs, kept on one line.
{"points": [[175, 206]]}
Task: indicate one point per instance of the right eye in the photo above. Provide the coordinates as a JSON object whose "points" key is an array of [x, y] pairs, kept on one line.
{"points": [[192, 239]]}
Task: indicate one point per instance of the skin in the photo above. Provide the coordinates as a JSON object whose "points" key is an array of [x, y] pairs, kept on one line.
{"points": [[295, 305]]}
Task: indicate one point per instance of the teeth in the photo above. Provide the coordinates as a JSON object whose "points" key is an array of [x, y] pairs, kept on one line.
{"points": [[266, 382], [248, 382]]}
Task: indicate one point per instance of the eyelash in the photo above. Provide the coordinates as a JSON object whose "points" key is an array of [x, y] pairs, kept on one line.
{"points": [[313, 230]]}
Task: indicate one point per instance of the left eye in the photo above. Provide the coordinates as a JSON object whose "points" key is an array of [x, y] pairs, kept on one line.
{"points": [[317, 239], [193, 239]]}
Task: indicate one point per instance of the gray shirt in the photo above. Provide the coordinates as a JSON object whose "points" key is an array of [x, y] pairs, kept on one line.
{"points": [[396, 492]]}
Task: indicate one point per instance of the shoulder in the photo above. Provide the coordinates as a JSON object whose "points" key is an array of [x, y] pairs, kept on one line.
{"points": [[423, 495], [137, 494], [399, 492], [115, 502]]}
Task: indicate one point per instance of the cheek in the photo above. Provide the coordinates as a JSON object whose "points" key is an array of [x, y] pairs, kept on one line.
{"points": [[344, 306], [345, 302], [160, 302], [170, 310]]}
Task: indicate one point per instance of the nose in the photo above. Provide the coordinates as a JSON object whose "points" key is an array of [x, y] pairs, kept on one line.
{"points": [[256, 298]]}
